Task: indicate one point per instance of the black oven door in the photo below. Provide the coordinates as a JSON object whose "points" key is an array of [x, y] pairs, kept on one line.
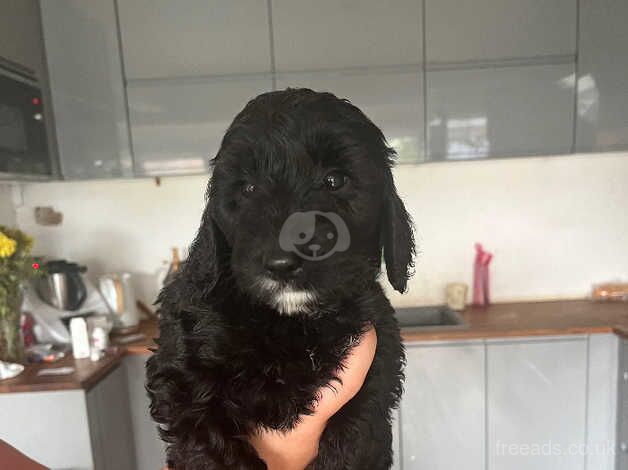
{"points": [[23, 141]]}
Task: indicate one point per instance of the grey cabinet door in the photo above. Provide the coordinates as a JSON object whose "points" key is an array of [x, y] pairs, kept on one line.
{"points": [[110, 427], [396, 446], [162, 38], [604, 404], [622, 409], [149, 448], [489, 30], [391, 98], [602, 76], [327, 34], [505, 111], [20, 35], [177, 125], [85, 72], [50, 427], [442, 411], [536, 404]]}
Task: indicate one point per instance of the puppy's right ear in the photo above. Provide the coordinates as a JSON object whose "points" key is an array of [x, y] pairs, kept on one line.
{"points": [[397, 238]]}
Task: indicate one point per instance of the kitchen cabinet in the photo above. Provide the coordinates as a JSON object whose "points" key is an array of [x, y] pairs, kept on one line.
{"points": [[396, 444], [499, 111], [72, 429], [50, 427], [343, 34], [622, 408], [497, 30], [22, 58], [443, 408], [111, 433], [191, 38], [147, 87], [177, 125], [536, 398], [605, 404], [20, 19], [515, 403], [602, 123], [86, 83], [149, 448], [391, 98]]}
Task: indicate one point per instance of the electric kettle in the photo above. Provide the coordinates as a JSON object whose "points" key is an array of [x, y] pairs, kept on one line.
{"points": [[117, 291]]}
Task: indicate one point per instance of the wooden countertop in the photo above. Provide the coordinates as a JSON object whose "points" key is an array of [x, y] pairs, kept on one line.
{"points": [[572, 317], [497, 321], [86, 372]]}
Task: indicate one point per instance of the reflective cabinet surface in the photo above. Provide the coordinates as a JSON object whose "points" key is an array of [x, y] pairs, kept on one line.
{"points": [[177, 125], [445, 80], [392, 99], [87, 87], [500, 112], [603, 76], [332, 34], [489, 30]]}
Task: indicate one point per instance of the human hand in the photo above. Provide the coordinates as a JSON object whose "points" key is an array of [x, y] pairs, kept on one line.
{"points": [[295, 449]]}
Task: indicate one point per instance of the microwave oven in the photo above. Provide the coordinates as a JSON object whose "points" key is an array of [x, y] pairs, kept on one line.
{"points": [[23, 138]]}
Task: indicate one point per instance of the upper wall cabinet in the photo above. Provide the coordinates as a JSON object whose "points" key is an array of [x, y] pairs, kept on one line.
{"points": [[500, 78], [165, 38], [370, 52], [313, 35], [391, 98], [178, 124], [190, 67], [19, 19], [603, 76], [489, 30], [85, 73], [500, 112]]}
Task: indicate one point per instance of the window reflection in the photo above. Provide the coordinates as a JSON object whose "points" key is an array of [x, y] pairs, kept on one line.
{"points": [[467, 138], [588, 98]]}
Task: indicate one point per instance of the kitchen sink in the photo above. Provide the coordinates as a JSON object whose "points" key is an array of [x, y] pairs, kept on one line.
{"points": [[424, 318]]}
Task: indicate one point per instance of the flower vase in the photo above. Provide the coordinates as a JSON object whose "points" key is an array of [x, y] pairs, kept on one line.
{"points": [[11, 345]]}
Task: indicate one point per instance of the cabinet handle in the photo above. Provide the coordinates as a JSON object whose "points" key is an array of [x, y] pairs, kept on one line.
{"points": [[623, 447], [626, 376]]}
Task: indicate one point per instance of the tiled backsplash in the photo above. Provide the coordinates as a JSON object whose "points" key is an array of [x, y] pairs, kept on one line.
{"points": [[555, 224]]}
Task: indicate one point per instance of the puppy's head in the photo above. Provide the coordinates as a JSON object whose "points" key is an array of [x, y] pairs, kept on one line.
{"points": [[301, 204]]}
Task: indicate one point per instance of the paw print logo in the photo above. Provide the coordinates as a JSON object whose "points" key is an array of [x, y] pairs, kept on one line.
{"points": [[314, 235]]}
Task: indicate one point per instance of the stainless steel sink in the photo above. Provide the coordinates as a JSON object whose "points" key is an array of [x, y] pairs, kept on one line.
{"points": [[429, 318]]}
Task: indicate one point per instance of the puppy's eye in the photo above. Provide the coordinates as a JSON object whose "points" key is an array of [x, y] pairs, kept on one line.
{"points": [[248, 189], [334, 180]]}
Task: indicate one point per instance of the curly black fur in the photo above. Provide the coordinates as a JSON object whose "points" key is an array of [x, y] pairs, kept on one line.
{"points": [[227, 360]]}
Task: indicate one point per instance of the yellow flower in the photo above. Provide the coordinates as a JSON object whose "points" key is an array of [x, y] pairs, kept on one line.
{"points": [[7, 246]]}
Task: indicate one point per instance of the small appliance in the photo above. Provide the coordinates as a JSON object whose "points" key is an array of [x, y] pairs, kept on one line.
{"points": [[23, 138], [62, 285], [119, 295]]}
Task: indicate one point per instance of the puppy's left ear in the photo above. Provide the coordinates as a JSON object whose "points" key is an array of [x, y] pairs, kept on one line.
{"points": [[397, 238]]}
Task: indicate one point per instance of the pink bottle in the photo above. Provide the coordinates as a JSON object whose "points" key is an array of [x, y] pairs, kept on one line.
{"points": [[481, 287]]}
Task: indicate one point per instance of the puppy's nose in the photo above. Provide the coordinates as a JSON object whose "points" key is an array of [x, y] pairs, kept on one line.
{"points": [[283, 264]]}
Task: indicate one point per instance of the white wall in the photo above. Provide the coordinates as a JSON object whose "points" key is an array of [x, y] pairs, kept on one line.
{"points": [[555, 224], [7, 211]]}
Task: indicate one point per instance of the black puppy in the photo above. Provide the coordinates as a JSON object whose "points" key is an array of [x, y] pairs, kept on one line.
{"points": [[280, 280]]}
